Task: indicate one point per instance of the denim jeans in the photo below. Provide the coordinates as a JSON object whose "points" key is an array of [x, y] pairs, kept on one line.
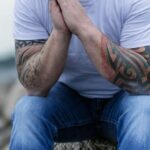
{"points": [[65, 116]]}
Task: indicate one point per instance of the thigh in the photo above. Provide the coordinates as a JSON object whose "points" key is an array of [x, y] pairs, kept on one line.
{"points": [[75, 119], [124, 113], [65, 109]]}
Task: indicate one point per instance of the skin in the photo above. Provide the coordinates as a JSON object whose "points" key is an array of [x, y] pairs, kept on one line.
{"points": [[126, 68], [40, 62]]}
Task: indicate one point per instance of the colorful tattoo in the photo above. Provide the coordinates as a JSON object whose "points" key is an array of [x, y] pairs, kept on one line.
{"points": [[130, 68]]}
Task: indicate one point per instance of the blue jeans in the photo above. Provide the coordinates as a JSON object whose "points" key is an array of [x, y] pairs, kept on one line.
{"points": [[65, 116]]}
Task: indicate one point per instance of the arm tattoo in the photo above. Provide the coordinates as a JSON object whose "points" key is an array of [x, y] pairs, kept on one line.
{"points": [[28, 69], [131, 68], [22, 43], [22, 48]]}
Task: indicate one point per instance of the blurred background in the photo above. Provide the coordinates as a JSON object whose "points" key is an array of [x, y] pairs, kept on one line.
{"points": [[10, 88]]}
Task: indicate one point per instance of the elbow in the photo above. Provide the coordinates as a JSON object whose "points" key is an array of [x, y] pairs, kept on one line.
{"points": [[137, 87], [37, 92], [33, 87]]}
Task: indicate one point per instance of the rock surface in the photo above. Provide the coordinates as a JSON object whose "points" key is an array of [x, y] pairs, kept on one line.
{"points": [[86, 145]]}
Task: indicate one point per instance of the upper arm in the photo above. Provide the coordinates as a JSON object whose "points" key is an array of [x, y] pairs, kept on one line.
{"points": [[29, 31], [136, 28], [29, 20]]}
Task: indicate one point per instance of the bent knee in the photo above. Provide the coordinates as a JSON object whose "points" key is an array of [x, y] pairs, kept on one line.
{"points": [[136, 110], [134, 122], [136, 104], [33, 107], [28, 105]]}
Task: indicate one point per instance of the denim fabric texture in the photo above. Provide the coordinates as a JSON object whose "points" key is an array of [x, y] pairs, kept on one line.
{"points": [[65, 116]]}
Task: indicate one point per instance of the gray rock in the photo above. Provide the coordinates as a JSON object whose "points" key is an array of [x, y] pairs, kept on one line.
{"points": [[86, 145]]}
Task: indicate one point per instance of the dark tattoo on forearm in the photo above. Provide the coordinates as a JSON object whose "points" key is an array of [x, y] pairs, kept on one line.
{"points": [[131, 67], [22, 43], [28, 60], [22, 49]]}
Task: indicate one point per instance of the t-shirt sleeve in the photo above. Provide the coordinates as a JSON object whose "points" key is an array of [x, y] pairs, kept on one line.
{"points": [[136, 29], [27, 25]]}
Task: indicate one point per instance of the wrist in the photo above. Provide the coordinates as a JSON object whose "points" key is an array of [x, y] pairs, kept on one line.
{"points": [[88, 32], [60, 32], [61, 37]]}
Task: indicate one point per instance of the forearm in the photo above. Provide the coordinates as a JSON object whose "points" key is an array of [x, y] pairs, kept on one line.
{"points": [[42, 70], [128, 69]]}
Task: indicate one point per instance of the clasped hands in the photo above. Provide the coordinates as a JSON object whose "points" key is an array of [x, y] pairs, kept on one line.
{"points": [[68, 16]]}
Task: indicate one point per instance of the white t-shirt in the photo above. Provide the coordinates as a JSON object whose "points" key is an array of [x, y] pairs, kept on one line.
{"points": [[125, 22]]}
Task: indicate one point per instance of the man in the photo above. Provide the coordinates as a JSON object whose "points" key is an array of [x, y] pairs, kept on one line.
{"points": [[86, 68]]}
